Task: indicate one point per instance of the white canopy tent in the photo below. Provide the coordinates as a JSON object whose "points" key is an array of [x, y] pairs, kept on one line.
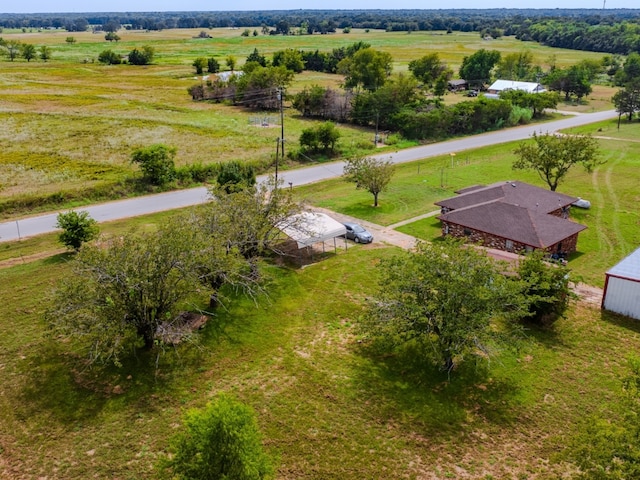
{"points": [[308, 228]]}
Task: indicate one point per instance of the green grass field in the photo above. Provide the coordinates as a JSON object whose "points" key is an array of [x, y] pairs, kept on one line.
{"points": [[328, 409], [71, 123]]}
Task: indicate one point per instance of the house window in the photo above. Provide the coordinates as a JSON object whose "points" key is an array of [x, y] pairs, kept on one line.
{"points": [[446, 229], [467, 232], [528, 249], [509, 245]]}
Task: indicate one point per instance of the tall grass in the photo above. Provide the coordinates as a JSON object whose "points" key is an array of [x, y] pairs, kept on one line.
{"points": [[75, 115]]}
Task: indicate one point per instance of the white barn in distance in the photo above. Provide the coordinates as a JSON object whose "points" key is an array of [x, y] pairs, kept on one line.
{"points": [[622, 287], [501, 85]]}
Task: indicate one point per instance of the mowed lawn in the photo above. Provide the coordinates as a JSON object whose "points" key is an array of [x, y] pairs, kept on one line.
{"points": [[328, 409], [613, 221]]}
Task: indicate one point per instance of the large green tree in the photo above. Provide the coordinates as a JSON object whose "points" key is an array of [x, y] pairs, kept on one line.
{"points": [[367, 69], [552, 156], [476, 68], [572, 81], [370, 174], [448, 301], [428, 68], [120, 292], [516, 66]]}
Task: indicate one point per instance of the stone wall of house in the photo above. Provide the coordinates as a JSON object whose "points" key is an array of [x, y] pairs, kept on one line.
{"points": [[569, 245]]}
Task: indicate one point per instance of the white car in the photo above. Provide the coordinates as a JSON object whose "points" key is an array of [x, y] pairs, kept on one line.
{"points": [[582, 203]]}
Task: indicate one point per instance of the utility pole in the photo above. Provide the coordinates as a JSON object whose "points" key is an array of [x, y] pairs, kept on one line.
{"points": [[377, 118], [281, 98], [277, 155]]}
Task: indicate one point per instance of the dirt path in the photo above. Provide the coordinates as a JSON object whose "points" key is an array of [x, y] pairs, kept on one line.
{"points": [[12, 262]]}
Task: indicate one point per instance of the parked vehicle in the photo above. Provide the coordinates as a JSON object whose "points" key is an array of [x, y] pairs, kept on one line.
{"points": [[358, 233], [582, 203]]}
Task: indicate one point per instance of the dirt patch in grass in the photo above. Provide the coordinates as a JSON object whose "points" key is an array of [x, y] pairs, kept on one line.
{"points": [[22, 259]]}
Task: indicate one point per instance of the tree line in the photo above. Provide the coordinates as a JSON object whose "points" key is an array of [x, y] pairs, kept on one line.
{"points": [[611, 31]]}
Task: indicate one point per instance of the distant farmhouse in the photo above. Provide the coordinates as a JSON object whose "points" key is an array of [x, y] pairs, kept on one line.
{"points": [[226, 76], [457, 85], [512, 216], [501, 85]]}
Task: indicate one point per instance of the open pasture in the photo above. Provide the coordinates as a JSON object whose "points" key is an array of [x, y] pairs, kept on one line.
{"points": [[70, 124]]}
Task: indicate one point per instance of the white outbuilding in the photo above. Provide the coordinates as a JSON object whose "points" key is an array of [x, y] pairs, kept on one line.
{"points": [[622, 287], [308, 228]]}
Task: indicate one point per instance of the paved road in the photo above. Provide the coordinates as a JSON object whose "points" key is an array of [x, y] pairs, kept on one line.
{"points": [[36, 225]]}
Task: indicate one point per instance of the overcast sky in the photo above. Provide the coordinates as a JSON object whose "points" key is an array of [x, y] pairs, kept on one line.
{"points": [[57, 6]]}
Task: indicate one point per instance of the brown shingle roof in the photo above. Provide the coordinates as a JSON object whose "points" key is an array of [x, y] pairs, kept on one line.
{"points": [[514, 193], [516, 223]]}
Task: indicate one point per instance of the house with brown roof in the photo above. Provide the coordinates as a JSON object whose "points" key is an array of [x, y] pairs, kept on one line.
{"points": [[512, 216]]}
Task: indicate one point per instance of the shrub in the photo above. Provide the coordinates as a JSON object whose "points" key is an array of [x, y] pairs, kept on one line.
{"points": [[235, 175], [546, 288], [109, 57], [222, 441], [197, 172], [520, 115], [77, 228], [141, 57], [322, 138], [156, 163]]}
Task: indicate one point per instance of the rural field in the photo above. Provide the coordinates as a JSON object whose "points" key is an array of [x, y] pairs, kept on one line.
{"points": [[328, 407], [71, 124]]}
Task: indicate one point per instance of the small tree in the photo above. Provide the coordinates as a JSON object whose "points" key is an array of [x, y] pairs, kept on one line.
{"points": [[156, 162], [77, 228], [370, 174], [231, 62], [13, 48], [545, 287], [112, 37], [552, 156], [321, 138], [221, 441], [212, 65], [199, 64], [70, 40], [28, 51], [45, 53], [627, 100]]}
